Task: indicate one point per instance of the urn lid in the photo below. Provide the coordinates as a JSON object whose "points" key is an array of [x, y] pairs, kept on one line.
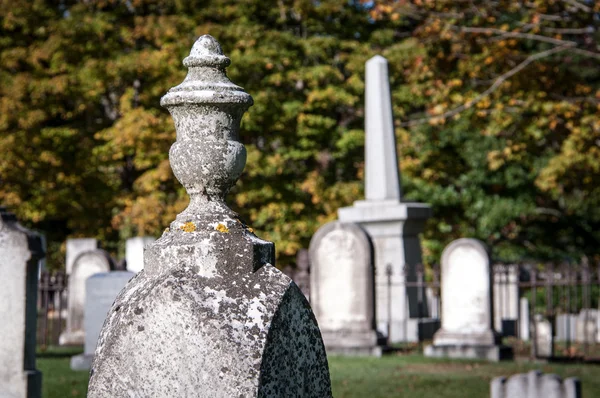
{"points": [[206, 81]]}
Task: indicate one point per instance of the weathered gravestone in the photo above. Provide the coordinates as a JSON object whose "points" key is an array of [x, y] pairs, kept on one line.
{"points": [[524, 321], [100, 292], [85, 265], [342, 288], [566, 327], [393, 225], [134, 252], [75, 247], [20, 252], [535, 385], [209, 316], [586, 326], [467, 330], [543, 337]]}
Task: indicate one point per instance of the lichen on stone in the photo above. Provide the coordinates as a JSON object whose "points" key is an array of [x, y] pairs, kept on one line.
{"points": [[188, 227], [222, 228]]}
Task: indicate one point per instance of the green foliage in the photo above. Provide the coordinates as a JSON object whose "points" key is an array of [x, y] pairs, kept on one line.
{"points": [[85, 142]]}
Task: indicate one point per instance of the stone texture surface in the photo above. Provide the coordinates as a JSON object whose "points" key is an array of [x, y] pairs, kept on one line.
{"points": [[134, 252], [20, 252], [77, 246], [392, 224], [85, 265], [466, 303], [342, 288], [209, 315], [101, 290], [535, 385]]}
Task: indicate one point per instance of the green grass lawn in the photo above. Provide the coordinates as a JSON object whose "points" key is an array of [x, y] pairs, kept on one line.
{"points": [[390, 376], [418, 377]]}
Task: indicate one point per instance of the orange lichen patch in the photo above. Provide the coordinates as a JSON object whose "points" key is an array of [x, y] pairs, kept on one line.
{"points": [[250, 229], [222, 228], [167, 230], [188, 227]]}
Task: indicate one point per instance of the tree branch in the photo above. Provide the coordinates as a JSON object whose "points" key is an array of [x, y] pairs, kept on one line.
{"points": [[501, 79], [571, 31], [578, 5], [519, 35]]}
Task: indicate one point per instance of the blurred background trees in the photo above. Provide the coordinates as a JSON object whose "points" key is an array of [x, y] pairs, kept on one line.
{"points": [[496, 107]]}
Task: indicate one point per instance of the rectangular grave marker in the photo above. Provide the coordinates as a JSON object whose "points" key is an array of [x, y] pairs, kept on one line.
{"points": [[20, 252]]}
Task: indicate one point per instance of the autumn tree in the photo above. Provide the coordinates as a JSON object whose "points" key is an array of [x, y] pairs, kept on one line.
{"points": [[498, 114], [495, 103]]}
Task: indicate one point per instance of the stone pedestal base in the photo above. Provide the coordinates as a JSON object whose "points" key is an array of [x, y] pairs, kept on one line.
{"points": [[490, 353], [411, 330], [82, 362], [72, 338], [485, 338], [351, 342]]}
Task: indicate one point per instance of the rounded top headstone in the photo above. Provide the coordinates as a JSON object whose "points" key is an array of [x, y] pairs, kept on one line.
{"points": [[466, 243]]}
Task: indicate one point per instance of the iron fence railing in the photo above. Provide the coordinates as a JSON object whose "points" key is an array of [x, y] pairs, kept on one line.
{"points": [[52, 307]]}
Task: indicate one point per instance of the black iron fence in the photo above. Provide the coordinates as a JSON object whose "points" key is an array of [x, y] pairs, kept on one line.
{"points": [[52, 307], [542, 310]]}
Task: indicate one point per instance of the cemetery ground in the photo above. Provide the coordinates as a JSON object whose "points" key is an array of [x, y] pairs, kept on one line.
{"points": [[395, 375]]}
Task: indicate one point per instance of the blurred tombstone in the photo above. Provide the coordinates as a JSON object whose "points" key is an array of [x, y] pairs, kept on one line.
{"points": [[535, 385], [524, 321], [20, 253], [77, 246], [467, 329], [101, 291], [544, 343], [433, 302], [134, 252], [586, 326], [85, 265], [566, 327], [342, 289], [506, 299]]}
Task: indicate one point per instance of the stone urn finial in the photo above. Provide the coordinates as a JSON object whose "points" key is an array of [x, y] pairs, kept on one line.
{"points": [[207, 158], [207, 107]]}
